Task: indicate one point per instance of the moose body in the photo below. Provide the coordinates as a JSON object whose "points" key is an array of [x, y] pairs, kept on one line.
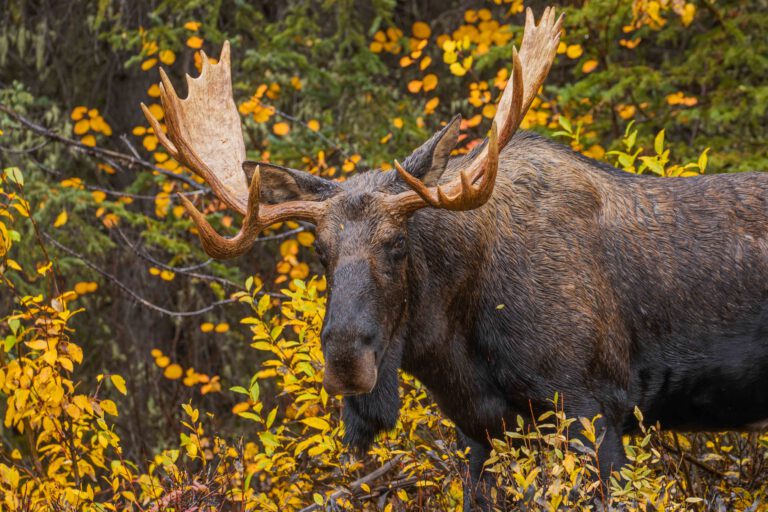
{"points": [[612, 289], [513, 273]]}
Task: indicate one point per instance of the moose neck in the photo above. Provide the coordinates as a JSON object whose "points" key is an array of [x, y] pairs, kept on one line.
{"points": [[448, 251]]}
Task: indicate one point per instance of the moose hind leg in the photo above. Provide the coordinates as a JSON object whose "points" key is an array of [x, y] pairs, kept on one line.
{"points": [[475, 484]]}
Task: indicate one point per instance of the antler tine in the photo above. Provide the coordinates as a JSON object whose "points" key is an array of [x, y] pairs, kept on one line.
{"points": [[474, 185], [470, 196], [416, 185], [216, 245]]}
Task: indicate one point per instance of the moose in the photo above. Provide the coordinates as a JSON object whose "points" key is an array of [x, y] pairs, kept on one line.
{"points": [[503, 276]]}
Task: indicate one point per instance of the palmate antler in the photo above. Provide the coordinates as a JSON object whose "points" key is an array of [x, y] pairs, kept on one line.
{"points": [[474, 185], [205, 134]]}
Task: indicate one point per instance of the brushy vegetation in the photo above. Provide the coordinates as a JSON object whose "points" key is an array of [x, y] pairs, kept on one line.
{"points": [[135, 374]]}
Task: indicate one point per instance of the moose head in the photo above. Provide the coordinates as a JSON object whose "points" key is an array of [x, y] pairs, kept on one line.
{"points": [[362, 224]]}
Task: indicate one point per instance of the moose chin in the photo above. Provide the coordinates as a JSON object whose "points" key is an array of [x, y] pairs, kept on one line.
{"points": [[618, 290]]}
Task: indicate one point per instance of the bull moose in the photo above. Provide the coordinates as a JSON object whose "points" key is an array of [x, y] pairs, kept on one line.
{"points": [[618, 290]]}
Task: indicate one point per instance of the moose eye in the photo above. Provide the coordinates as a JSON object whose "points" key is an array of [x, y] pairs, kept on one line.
{"points": [[398, 247]]}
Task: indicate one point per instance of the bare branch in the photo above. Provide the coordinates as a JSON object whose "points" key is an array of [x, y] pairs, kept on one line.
{"points": [[356, 486], [135, 295], [106, 154]]}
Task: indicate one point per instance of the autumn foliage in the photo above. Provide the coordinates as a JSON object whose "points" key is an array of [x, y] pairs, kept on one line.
{"points": [[137, 374]]}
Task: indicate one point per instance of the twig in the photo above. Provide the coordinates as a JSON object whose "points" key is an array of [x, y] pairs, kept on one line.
{"points": [[189, 271], [95, 150], [130, 292], [693, 460], [24, 151], [356, 486], [118, 193]]}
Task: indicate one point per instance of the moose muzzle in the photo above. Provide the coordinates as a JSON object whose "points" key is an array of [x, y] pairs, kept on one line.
{"points": [[350, 373]]}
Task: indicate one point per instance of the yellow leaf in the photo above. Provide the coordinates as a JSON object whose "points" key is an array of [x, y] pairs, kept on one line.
{"points": [[574, 51], [414, 86], [421, 30], [589, 66], [37, 344], [167, 275], [305, 238], [148, 64], [81, 288], [431, 105], [318, 423], [82, 126], [240, 407], [162, 361], [173, 371], [89, 140], [195, 42], [61, 219], [156, 111], [689, 11], [119, 383], [281, 128], [167, 57], [98, 196], [457, 69], [78, 113], [109, 407], [73, 411], [430, 82], [150, 142], [192, 25], [314, 125], [66, 364], [206, 327], [223, 327]]}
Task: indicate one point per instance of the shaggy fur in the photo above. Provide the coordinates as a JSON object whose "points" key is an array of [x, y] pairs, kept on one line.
{"points": [[612, 289]]}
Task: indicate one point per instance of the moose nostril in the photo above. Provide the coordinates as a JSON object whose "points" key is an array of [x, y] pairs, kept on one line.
{"points": [[367, 339]]}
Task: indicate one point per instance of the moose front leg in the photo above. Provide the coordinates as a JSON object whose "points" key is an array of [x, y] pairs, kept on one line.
{"points": [[476, 485]]}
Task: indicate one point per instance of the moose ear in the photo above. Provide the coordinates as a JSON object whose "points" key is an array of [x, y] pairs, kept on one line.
{"points": [[280, 184], [428, 161]]}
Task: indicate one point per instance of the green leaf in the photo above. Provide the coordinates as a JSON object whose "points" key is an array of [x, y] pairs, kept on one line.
{"points": [[254, 392], [703, 160], [239, 389], [271, 417], [10, 342], [13, 174], [658, 143]]}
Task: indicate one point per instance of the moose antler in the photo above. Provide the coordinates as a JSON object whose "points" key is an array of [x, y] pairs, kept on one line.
{"points": [[529, 70], [205, 134]]}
